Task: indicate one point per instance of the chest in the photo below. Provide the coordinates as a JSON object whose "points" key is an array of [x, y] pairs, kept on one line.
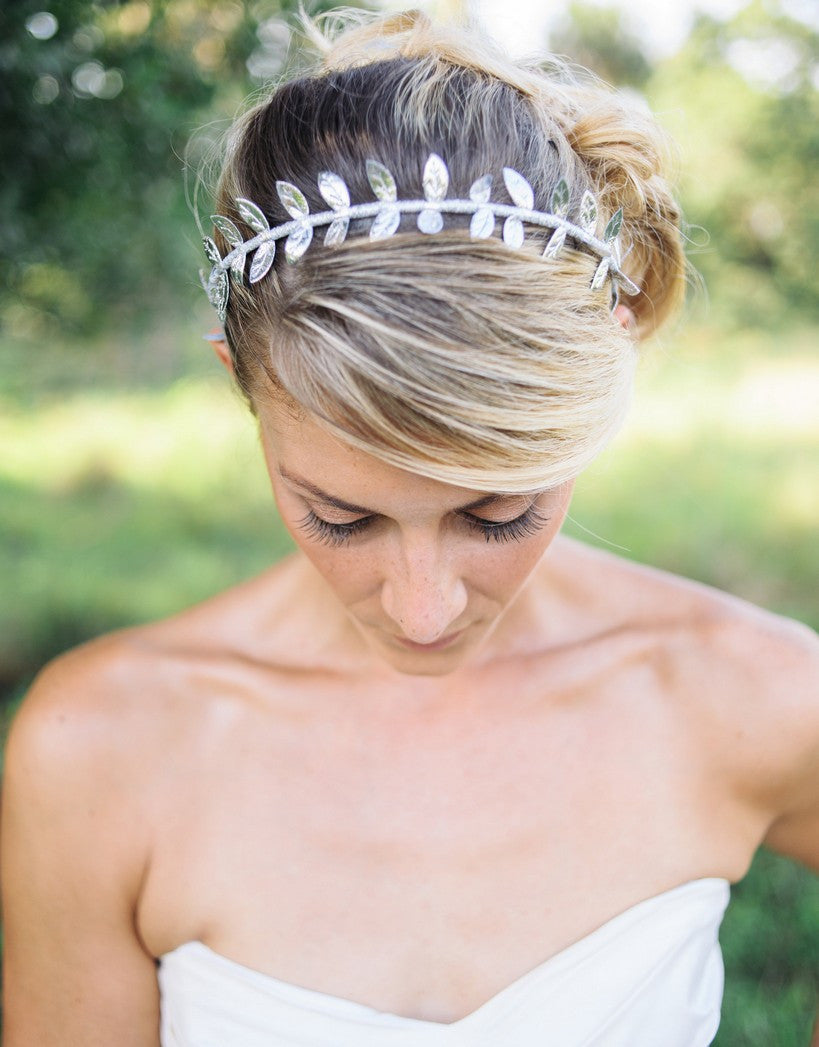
{"points": [[464, 850]]}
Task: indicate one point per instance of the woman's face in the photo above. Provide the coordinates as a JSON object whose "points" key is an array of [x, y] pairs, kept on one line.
{"points": [[423, 570]]}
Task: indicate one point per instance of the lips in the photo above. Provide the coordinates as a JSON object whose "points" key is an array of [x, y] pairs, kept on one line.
{"points": [[436, 645]]}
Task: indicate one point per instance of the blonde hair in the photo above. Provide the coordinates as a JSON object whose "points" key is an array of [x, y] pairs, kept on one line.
{"points": [[458, 359]]}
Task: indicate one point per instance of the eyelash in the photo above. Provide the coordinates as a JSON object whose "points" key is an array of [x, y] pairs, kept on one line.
{"points": [[528, 523]]}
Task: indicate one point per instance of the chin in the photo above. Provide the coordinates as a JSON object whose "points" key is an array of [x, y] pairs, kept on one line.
{"points": [[418, 662], [411, 664]]}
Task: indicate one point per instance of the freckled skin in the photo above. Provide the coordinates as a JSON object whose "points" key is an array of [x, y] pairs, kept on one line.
{"points": [[420, 571]]}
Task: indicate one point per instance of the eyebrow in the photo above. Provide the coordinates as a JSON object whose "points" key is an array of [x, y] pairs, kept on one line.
{"points": [[349, 507]]}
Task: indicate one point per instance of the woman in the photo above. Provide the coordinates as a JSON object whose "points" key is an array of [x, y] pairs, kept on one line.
{"points": [[441, 776]]}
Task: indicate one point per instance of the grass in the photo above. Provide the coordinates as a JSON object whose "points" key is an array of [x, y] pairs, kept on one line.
{"points": [[131, 486]]}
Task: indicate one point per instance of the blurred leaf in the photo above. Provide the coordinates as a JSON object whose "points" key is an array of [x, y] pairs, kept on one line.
{"points": [[602, 40], [97, 106], [742, 98]]}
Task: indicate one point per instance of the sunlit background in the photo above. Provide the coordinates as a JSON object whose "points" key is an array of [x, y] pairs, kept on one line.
{"points": [[130, 483]]}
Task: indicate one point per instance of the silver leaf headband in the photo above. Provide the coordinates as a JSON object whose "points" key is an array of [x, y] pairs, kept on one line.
{"points": [[386, 211]]}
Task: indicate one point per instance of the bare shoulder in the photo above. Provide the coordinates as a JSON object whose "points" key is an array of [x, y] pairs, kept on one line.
{"points": [[743, 680], [127, 706], [725, 621], [85, 751], [122, 703], [106, 741], [736, 656], [91, 710], [131, 708], [75, 846]]}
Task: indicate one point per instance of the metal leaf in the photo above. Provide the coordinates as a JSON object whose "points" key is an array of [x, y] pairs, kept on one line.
{"points": [[334, 190], [227, 229], [237, 269], [480, 190], [218, 292], [430, 221], [436, 178], [336, 232], [556, 242], [293, 199], [382, 182], [386, 222], [513, 232], [262, 261], [560, 199], [253, 215], [627, 285], [519, 189], [482, 224], [600, 275], [298, 242], [588, 212], [211, 250], [615, 223], [616, 252]]}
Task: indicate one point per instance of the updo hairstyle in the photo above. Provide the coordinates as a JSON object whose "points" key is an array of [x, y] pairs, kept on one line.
{"points": [[458, 359]]}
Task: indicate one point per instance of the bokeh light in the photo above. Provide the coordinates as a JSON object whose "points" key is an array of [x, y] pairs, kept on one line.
{"points": [[42, 25]]}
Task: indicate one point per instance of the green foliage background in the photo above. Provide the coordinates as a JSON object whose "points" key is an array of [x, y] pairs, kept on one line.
{"points": [[130, 484]]}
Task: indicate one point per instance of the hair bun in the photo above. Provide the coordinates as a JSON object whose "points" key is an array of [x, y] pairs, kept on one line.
{"points": [[629, 159]]}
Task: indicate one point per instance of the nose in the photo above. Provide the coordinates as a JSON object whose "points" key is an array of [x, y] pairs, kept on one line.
{"points": [[423, 591]]}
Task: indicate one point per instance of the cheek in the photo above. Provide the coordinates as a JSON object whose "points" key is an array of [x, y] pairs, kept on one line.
{"points": [[501, 567], [350, 573], [349, 570]]}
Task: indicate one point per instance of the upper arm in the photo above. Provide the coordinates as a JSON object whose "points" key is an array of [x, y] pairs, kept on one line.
{"points": [[794, 828], [73, 853]]}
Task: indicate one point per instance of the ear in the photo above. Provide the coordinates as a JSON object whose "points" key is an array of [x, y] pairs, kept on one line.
{"points": [[217, 340], [625, 317]]}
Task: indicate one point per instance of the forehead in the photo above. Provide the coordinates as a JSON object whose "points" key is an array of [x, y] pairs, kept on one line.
{"points": [[299, 448]]}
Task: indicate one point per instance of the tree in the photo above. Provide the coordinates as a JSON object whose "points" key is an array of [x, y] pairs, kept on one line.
{"points": [[743, 99], [599, 39], [97, 105]]}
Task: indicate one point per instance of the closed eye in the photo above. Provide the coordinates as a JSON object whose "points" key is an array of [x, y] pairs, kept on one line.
{"points": [[336, 534]]}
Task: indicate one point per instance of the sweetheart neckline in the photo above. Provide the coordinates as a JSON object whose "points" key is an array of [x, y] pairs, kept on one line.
{"points": [[565, 955]]}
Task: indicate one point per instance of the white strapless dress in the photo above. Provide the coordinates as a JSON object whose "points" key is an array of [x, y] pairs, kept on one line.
{"points": [[650, 977]]}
